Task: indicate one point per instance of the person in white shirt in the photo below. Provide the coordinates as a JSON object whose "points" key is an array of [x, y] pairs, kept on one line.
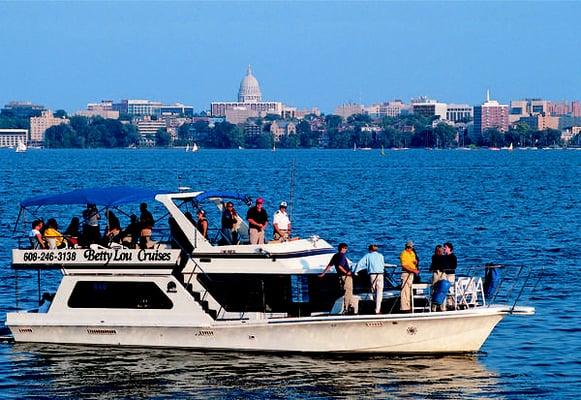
{"points": [[281, 223], [35, 237]]}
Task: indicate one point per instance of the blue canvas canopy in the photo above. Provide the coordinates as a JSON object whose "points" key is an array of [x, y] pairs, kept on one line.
{"points": [[107, 197]]}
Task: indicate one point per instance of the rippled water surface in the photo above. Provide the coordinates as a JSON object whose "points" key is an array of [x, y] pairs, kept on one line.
{"points": [[518, 207]]}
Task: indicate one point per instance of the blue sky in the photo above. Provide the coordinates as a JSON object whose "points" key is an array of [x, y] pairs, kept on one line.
{"points": [[66, 54]]}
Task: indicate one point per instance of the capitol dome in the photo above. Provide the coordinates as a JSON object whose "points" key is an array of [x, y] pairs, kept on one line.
{"points": [[249, 89]]}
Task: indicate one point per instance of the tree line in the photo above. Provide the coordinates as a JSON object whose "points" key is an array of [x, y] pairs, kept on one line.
{"points": [[83, 132]]}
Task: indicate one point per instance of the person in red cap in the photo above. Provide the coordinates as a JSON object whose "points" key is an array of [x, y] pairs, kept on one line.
{"points": [[257, 221]]}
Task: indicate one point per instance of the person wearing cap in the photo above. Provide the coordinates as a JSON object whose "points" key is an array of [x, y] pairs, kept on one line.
{"points": [[341, 264], [202, 223], [257, 221], [281, 223], [374, 263], [409, 269]]}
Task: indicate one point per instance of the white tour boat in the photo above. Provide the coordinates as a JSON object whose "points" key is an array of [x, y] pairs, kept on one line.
{"points": [[183, 290]]}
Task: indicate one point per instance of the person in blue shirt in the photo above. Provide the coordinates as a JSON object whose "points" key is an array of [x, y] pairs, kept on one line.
{"points": [[374, 263]]}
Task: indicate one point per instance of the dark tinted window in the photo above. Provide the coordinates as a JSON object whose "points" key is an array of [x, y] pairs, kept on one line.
{"points": [[132, 295]]}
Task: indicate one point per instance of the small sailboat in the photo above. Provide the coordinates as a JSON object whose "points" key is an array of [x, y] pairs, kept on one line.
{"points": [[382, 151], [354, 146], [274, 147], [188, 147], [195, 147], [20, 147], [510, 148]]}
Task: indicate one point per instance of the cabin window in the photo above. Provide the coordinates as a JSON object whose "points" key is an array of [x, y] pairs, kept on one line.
{"points": [[128, 295]]}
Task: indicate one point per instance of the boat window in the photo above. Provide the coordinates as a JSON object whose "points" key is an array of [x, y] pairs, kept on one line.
{"points": [[129, 295]]}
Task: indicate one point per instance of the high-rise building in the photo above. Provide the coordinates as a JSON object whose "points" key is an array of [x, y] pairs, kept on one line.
{"points": [[39, 125], [19, 109], [249, 98], [489, 115], [429, 108], [576, 109], [526, 108]]}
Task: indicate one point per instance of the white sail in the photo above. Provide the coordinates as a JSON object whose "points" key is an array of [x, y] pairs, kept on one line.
{"points": [[195, 147], [21, 147]]}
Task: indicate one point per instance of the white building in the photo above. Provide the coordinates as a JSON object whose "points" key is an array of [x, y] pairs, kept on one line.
{"points": [[459, 112], [429, 108], [11, 137], [249, 98]]}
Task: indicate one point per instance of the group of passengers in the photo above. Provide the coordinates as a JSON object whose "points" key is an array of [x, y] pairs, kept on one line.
{"points": [[136, 234], [257, 218], [443, 267]]}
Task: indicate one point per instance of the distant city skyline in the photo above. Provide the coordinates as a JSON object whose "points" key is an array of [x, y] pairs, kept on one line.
{"points": [[65, 55]]}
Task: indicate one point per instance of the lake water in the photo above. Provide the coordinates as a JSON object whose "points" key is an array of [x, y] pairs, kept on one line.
{"points": [[520, 207]]}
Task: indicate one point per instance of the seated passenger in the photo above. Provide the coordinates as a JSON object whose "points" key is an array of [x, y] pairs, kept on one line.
{"points": [[91, 230], [113, 229], [54, 238], [130, 235], [35, 237], [73, 232]]}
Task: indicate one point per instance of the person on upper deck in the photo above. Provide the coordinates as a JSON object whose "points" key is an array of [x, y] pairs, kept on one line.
{"points": [[35, 237], [54, 238], [229, 219], [409, 268], [91, 231], [73, 231], [130, 235], [281, 223], [437, 268], [202, 224], [341, 264], [146, 221], [113, 229], [257, 220], [374, 263]]}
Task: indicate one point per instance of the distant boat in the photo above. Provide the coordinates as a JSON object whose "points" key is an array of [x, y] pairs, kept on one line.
{"points": [[188, 147], [354, 146], [382, 151], [274, 147], [20, 147], [494, 148], [240, 148], [510, 148], [195, 147], [366, 148]]}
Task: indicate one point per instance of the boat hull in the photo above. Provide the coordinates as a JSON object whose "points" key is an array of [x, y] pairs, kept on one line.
{"points": [[431, 333]]}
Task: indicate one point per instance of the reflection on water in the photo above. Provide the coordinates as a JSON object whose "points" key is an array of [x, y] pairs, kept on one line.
{"points": [[82, 371]]}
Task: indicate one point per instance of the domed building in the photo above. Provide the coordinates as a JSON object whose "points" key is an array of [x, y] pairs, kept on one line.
{"points": [[249, 89], [249, 102]]}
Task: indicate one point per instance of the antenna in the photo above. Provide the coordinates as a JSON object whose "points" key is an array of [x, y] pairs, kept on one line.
{"points": [[292, 190]]}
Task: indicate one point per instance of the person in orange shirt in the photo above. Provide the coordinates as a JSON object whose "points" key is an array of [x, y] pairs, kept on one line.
{"points": [[409, 268]]}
